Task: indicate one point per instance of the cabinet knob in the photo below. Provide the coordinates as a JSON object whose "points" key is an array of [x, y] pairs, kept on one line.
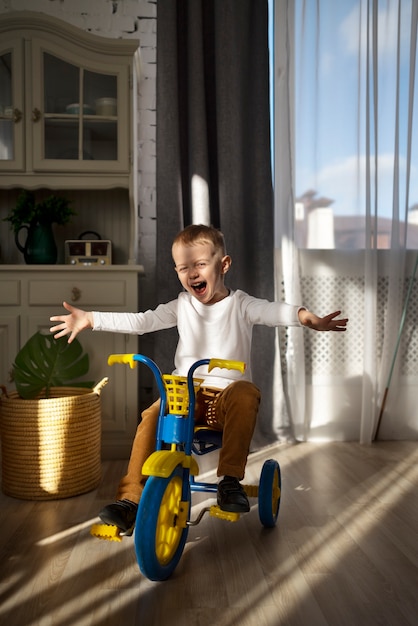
{"points": [[17, 115], [36, 115], [75, 294]]}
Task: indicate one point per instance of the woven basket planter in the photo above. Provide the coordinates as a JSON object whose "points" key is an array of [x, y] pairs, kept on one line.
{"points": [[51, 448]]}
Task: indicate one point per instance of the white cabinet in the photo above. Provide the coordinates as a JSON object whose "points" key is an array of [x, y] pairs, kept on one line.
{"points": [[29, 295], [68, 111], [66, 100]]}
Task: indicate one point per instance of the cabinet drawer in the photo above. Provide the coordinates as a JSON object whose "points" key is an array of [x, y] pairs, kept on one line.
{"points": [[9, 292], [79, 292]]}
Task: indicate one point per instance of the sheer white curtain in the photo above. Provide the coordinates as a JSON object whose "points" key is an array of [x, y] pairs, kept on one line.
{"points": [[345, 135]]}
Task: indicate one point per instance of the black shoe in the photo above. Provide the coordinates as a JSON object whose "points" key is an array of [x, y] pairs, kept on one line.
{"points": [[122, 514], [231, 496]]}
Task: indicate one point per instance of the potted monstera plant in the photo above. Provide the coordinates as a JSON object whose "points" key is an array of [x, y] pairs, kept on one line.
{"points": [[51, 424], [37, 217], [44, 363]]}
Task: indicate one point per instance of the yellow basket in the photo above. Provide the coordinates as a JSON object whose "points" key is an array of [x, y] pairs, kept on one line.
{"points": [[178, 393]]}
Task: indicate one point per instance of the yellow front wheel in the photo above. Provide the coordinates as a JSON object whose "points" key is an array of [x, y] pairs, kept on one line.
{"points": [[161, 529]]}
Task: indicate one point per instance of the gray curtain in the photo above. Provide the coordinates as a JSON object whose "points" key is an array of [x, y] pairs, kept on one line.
{"points": [[213, 122]]}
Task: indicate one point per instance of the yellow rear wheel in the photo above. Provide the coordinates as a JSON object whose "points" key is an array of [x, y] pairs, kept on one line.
{"points": [[269, 493]]}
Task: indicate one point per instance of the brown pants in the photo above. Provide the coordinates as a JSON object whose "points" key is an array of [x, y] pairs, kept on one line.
{"points": [[232, 410]]}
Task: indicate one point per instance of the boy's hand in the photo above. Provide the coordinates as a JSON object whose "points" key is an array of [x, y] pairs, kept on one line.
{"points": [[309, 319], [71, 324]]}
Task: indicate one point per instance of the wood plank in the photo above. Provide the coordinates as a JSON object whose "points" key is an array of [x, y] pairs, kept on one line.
{"points": [[344, 551]]}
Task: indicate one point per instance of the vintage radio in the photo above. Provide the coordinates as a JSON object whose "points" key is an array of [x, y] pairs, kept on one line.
{"points": [[88, 251]]}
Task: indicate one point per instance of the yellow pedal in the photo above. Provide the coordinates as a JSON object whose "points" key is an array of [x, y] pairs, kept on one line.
{"points": [[216, 511], [106, 531]]}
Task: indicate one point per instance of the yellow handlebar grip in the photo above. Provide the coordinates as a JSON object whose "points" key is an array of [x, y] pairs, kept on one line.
{"points": [[227, 364], [122, 358]]}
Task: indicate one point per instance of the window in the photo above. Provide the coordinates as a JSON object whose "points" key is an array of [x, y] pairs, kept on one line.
{"points": [[354, 129]]}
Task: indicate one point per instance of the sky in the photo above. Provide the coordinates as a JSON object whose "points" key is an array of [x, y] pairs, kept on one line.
{"points": [[330, 101]]}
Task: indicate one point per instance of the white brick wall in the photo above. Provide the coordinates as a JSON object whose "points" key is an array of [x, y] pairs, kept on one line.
{"points": [[123, 19]]}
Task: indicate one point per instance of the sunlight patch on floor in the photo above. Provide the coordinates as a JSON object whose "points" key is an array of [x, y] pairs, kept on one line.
{"points": [[67, 532]]}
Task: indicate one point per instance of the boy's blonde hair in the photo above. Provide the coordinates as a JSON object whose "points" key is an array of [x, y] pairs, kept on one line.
{"points": [[199, 233]]}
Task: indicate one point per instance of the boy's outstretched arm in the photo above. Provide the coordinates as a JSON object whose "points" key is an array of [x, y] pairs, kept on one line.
{"points": [[309, 319], [71, 324]]}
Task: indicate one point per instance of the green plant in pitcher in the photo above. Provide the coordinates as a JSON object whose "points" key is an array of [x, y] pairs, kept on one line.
{"points": [[27, 212], [36, 218]]}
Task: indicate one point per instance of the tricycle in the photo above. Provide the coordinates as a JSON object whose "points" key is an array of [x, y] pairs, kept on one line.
{"points": [[163, 517]]}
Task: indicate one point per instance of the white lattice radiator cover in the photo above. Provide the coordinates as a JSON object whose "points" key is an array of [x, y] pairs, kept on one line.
{"points": [[332, 280]]}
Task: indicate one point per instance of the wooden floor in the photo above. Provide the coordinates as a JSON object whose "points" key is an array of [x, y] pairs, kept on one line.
{"points": [[344, 552]]}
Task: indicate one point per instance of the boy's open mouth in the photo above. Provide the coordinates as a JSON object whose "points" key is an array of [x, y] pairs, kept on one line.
{"points": [[199, 288]]}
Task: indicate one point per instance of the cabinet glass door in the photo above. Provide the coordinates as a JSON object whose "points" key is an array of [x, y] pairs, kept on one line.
{"points": [[7, 148], [100, 130], [80, 113], [11, 114], [61, 109]]}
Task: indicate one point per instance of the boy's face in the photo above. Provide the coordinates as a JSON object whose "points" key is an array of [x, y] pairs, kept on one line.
{"points": [[201, 271]]}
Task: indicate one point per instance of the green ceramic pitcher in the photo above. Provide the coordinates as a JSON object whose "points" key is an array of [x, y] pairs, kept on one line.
{"points": [[40, 246]]}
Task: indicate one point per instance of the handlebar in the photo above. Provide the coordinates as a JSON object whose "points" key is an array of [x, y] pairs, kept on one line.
{"points": [[133, 359], [227, 364], [122, 358]]}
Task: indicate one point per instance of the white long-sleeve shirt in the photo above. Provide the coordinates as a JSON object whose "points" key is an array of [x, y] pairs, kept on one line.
{"points": [[222, 330]]}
